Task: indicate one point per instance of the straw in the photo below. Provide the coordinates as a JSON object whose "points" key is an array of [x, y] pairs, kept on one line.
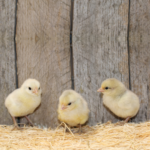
{"points": [[106, 136]]}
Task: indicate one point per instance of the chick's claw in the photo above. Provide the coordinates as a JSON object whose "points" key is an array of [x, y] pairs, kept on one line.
{"points": [[16, 127], [120, 123]]}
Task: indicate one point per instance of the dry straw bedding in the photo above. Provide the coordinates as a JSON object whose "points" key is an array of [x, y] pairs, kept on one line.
{"points": [[106, 136]]}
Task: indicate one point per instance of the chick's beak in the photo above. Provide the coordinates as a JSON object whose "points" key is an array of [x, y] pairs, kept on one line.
{"points": [[63, 107], [35, 91], [100, 90]]}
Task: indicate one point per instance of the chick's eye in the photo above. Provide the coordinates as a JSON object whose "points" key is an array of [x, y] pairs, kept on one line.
{"points": [[106, 88], [69, 103], [39, 88], [29, 88]]}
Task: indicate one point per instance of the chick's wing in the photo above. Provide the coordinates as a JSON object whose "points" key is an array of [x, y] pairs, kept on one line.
{"points": [[125, 101]]}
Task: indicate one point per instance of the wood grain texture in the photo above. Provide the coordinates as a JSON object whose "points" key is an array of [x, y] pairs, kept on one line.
{"points": [[100, 50], [42, 40], [139, 42], [7, 55]]}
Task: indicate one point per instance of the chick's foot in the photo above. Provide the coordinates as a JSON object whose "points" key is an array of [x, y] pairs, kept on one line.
{"points": [[16, 127], [79, 130], [121, 123]]}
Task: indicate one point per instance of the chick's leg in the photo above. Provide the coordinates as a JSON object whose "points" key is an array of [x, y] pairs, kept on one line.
{"points": [[29, 121], [78, 131], [15, 123], [127, 119]]}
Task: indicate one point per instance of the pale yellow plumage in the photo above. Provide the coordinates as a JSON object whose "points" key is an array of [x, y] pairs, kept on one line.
{"points": [[25, 100], [121, 101], [76, 113]]}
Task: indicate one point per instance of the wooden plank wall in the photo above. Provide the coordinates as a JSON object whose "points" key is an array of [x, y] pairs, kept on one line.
{"points": [[7, 55], [43, 52], [110, 39], [100, 50], [107, 42], [139, 42]]}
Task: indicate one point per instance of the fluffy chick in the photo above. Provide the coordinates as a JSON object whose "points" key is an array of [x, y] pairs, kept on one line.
{"points": [[72, 109], [121, 101], [24, 101]]}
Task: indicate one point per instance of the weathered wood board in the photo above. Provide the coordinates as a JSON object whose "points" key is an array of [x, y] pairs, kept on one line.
{"points": [[7, 55], [139, 42], [99, 50], [43, 52]]}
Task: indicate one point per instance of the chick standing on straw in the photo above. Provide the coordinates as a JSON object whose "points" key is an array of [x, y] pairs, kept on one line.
{"points": [[121, 101], [24, 101], [73, 109]]}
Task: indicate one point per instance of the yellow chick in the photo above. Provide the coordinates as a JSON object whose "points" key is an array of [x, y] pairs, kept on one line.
{"points": [[121, 101], [24, 101], [72, 109]]}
